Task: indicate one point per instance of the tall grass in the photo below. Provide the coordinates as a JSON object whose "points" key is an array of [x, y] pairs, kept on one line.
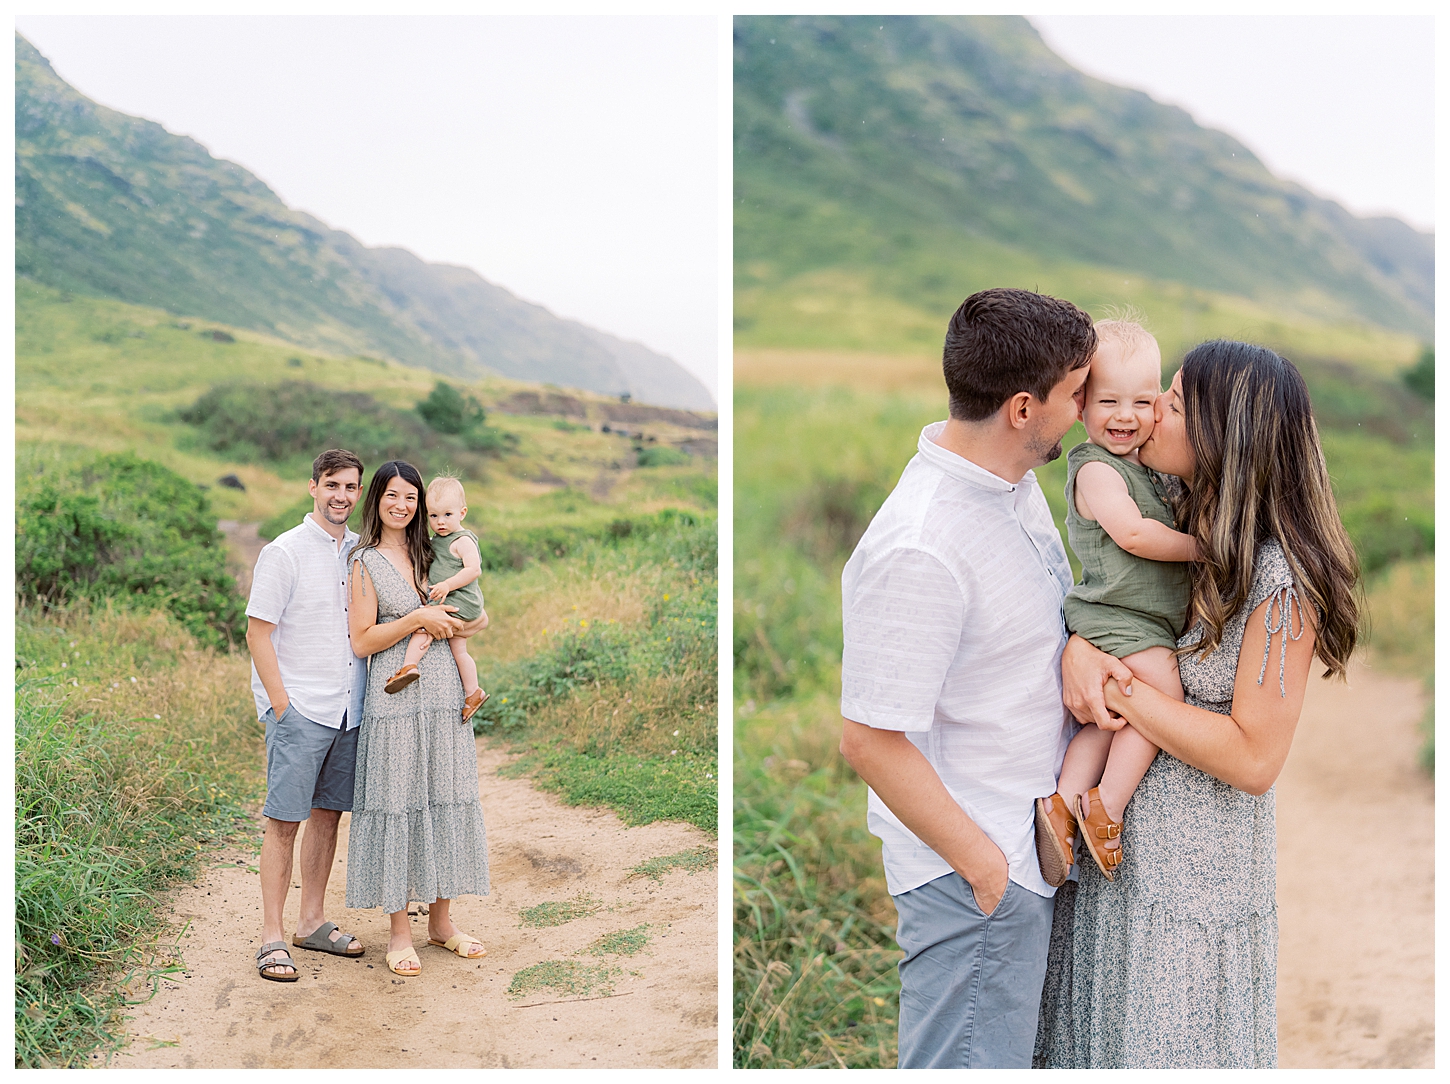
{"points": [[604, 674], [815, 951], [135, 750]]}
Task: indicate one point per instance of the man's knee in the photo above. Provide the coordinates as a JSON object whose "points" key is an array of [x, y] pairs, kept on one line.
{"points": [[282, 831], [325, 820]]}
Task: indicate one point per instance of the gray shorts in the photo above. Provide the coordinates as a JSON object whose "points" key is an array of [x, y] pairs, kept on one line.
{"points": [[309, 766], [971, 983]]}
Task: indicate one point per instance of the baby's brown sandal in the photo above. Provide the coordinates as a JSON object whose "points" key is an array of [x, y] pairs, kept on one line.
{"points": [[1097, 830]]}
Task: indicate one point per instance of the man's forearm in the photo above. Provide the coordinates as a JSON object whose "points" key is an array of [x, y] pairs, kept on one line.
{"points": [[912, 790], [264, 658]]}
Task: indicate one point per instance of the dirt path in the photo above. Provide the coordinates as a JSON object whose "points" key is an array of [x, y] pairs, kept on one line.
{"points": [[244, 546], [456, 1014], [1357, 881]]}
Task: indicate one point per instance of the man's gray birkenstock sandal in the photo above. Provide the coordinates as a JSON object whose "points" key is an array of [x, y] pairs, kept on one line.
{"points": [[318, 941], [284, 961]]}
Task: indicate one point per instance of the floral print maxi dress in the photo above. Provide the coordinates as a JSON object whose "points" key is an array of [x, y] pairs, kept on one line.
{"points": [[1173, 965], [417, 824]]}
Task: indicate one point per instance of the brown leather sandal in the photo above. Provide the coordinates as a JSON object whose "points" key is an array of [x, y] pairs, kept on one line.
{"points": [[1097, 829], [472, 702], [1056, 839], [402, 679]]}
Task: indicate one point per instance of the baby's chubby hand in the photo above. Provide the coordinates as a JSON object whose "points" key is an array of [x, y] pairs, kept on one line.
{"points": [[437, 593]]}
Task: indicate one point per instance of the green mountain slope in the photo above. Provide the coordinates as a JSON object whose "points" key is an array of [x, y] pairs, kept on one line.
{"points": [[915, 158], [111, 205]]}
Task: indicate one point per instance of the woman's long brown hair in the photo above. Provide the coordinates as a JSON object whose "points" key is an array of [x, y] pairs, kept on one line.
{"points": [[420, 553], [1259, 474]]}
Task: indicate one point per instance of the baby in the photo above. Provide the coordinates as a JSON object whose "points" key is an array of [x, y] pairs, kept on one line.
{"points": [[1133, 598], [453, 580]]}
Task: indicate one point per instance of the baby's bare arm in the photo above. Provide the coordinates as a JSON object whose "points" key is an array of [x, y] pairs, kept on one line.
{"points": [[465, 550], [1102, 495]]}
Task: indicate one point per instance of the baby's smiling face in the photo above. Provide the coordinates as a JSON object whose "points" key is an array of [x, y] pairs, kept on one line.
{"points": [[1121, 389]]}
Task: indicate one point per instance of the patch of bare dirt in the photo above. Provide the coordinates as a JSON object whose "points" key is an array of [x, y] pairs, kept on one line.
{"points": [[244, 546], [660, 1013], [1357, 880]]}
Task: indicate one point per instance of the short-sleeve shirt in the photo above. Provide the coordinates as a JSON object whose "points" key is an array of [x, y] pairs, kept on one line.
{"points": [[952, 617], [300, 585]]}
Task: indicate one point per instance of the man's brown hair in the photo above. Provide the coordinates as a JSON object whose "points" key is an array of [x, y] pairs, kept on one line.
{"points": [[334, 460], [1001, 342]]}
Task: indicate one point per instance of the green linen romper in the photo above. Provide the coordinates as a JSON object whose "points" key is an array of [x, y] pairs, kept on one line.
{"points": [[469, 600], [1124, 603]]}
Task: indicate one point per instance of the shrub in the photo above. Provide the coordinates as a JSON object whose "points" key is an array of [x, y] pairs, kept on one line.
{"points": [[298, 419], [448, 411], [1421, 378], [660, 456], [117, 526]]}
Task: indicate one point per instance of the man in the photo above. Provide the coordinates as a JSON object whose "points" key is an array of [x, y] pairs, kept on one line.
{"points": [[951, 694], [308, 687]]}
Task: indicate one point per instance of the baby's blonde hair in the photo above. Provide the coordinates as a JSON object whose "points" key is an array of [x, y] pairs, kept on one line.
{"points": [[1125, 327], [445, 486]]}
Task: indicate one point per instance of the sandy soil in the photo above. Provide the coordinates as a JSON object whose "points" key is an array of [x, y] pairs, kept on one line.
{"points": [[356, 1014], [1357, 881]]}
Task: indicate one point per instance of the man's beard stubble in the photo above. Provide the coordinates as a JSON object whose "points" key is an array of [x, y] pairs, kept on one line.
{"points": [[1042, 451]]}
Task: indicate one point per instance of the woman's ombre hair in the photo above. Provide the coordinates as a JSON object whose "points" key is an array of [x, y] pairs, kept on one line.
{"points": [[1259, 474]]}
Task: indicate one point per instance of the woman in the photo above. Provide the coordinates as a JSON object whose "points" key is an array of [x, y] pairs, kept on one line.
{"points": [[1173, 965], [417, 824]]}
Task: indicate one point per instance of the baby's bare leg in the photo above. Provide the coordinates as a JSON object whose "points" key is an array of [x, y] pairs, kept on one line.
{"points": [[1082, 765], [417, 648], [1131, 753], [467, 668]]}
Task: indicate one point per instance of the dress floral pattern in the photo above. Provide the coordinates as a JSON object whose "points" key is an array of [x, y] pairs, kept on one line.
{"points": [[1173, 965], [417, 824]]}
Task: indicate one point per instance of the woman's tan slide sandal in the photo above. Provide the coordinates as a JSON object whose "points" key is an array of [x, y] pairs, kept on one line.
{"points": [[1097, 828], [405, 676], [455, 943], [403, 956]]}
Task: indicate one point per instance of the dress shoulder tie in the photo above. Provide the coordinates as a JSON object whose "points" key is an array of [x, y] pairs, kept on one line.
{"points": [[1288, 602]]}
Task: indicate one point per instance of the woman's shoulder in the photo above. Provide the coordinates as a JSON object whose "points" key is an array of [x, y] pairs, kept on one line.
{"points": [[1272, 567], [1272, 570], [369, 556]]}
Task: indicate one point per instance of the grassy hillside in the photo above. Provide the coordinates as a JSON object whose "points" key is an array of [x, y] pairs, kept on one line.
{"points": [[887, 167], [100, 375], [115, 206]]}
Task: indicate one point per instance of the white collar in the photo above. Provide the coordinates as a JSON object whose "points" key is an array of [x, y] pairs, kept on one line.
{"points": [[347, 535], [964, 469]]}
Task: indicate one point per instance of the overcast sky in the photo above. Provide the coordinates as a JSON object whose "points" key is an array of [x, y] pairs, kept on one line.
{"points": [[569, 159], [1342, 104]]}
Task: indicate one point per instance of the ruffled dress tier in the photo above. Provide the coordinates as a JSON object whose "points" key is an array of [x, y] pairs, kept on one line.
{"points": [[417, 830]]}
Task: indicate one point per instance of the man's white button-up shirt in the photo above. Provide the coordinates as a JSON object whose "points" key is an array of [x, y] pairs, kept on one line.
{"points": [[300, 585], [952, 615]]}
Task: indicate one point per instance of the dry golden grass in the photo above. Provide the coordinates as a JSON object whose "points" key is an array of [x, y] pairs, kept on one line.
{"points": [[145, 670], [826, 368], [650, 717]]}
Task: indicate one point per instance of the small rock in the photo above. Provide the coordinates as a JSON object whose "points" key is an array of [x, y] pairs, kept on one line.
{"points": [[231, 481]]}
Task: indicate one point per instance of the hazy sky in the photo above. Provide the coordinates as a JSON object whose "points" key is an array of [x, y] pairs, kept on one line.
{"points": [[1342, 104], [569, 159]]}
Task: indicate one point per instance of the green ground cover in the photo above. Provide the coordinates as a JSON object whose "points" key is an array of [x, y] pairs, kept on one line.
{"points": [[614, 703], [136, 750], [815, 956]]}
